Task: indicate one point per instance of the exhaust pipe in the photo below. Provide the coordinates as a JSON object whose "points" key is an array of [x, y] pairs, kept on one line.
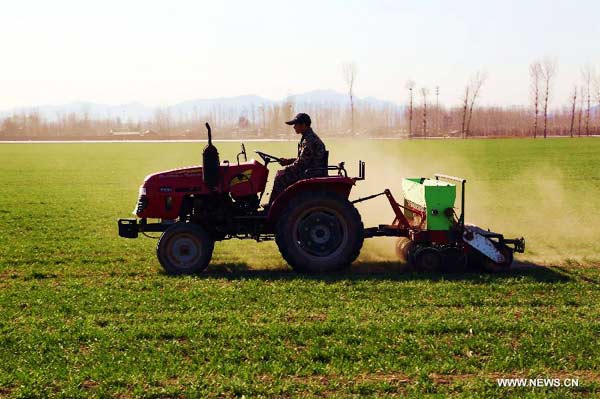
{"points": [[210, 162]]}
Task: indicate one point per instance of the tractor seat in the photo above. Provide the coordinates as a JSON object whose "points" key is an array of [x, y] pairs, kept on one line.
{"points": [[326, 163]]}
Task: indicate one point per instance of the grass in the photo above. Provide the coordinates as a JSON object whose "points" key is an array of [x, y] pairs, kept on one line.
{"points": [[87, 314]]}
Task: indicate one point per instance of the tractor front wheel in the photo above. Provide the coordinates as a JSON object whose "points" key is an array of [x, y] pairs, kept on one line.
{"points": [[319, 232], [184, 248]]}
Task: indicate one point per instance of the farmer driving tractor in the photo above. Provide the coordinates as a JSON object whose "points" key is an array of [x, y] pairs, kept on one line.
{"points": [[311, 160], [317, 228]]}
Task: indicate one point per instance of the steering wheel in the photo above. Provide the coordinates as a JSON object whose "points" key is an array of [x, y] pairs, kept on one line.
{"points": [[267, 158]]}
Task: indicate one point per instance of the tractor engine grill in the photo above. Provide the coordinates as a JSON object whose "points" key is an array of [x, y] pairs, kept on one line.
{"points": [[141, 204]]}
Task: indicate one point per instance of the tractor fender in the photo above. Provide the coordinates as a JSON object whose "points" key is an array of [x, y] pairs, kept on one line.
{"points": [[340, 185]]}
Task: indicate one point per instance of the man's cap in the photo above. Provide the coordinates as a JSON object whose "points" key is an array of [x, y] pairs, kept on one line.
{"points": [[300, 118]]}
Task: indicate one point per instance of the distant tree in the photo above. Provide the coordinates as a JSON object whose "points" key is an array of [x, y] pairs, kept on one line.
{"points": [[288, 108], [477, 82], [587, 75], [437, 109], [580, 112], [549, 69], [161, 121], [424, 93], [597, 87], [349, 72], [9, 127], [535, 73], [410, 85], [463, 130], [574, 102]]}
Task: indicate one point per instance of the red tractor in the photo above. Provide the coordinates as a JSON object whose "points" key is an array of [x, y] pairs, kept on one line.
{"points": [[315, 225]]}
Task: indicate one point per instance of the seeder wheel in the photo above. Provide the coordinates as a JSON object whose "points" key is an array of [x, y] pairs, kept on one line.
{"points": [[454, 260], [403, 248], [493, 267], [428, 259]]}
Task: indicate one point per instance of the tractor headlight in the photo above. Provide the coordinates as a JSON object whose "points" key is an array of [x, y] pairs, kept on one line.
{"points": [[142, 201]]}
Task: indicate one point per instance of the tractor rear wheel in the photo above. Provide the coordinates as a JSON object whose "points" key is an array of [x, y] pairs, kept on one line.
{"points": [[319, 232], [184, 248]]}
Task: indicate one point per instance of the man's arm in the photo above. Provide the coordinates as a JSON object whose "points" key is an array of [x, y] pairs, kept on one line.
{"points": [[301, 163], [286, 161]]}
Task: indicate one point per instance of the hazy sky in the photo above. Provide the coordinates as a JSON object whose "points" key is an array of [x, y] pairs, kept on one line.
{"points": [[162, 52]]}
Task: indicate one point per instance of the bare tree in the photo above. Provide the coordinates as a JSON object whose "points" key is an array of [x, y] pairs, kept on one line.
{"points": [[424, 93], [587, 75], [549, 69], [597, 85], [410, 85], [349, 72], [475, 86], [574, 96], [580, 113], [463, 130], [535, 73], [597, 88], [437, 109]]}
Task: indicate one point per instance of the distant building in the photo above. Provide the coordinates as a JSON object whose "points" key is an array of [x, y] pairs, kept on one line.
{"points": [[123, 134]]}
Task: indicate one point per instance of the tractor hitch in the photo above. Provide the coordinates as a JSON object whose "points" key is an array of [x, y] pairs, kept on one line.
{"points": [[519, 244], [129, 228]]}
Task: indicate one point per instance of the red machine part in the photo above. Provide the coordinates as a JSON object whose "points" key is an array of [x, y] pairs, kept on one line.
{"points": [[338, 184], [402, 227], [400, 220], [164, 192]]}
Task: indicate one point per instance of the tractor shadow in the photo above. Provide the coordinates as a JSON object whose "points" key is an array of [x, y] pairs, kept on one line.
{"points": [[392, 271]]}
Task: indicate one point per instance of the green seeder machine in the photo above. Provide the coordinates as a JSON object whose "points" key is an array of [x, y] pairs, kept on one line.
{"points": [[434, 236]]}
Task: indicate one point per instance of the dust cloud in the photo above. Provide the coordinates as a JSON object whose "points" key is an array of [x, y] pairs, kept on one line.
{"points": [[537, 202]]}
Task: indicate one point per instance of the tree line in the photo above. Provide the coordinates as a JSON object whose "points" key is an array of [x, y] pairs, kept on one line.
{"points": [[422, 116]]}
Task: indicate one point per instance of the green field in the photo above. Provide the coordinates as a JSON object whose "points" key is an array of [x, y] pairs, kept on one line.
{"points": [[86, 313]]}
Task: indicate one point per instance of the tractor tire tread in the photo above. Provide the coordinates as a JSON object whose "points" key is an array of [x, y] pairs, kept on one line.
{"points": [[294, 204], [205, 238]]}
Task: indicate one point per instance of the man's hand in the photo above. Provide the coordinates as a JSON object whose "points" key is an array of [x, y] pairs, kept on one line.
{"points": [[286, 161]]}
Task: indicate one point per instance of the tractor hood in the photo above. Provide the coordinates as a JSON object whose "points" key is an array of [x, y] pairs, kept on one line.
{"points": [[189, 180], [160, 177], [181, 179]]}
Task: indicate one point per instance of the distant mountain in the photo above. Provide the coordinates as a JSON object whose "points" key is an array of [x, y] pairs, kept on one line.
{"points": [[332, 97], [237, 104], [231, 105], [320, 97]]}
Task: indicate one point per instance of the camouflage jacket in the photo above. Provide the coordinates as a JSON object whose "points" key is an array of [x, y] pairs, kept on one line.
{"points": [[311, 154]]}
